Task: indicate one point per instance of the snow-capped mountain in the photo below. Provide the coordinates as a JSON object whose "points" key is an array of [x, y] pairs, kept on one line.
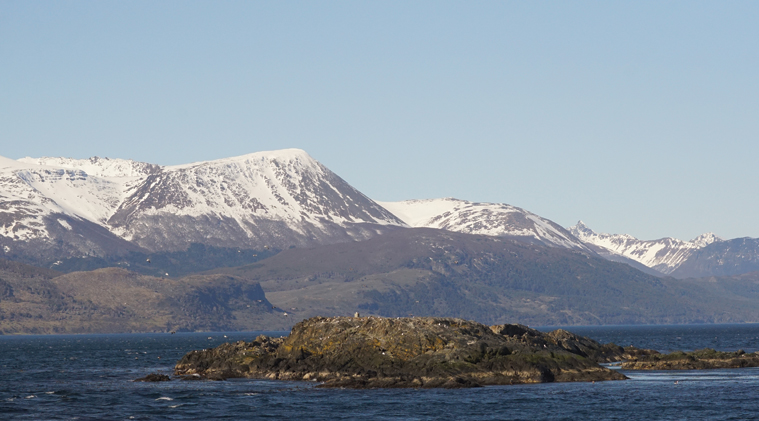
{"points": [[48, 211], [53, 208], [274, 199], [664, 255], [277, 199], [494, 219], [91, 189]]}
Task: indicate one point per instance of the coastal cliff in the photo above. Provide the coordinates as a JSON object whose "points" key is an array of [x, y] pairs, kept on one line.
{"points": [[369, 352]]}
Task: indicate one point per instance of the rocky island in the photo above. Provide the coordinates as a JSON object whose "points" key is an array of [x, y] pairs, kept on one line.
{"points": [[424, 352], [702, 359]]}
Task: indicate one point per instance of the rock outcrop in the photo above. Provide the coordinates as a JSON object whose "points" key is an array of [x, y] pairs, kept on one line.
{"points": [[701, 359], [154, 377], [370, 352]]}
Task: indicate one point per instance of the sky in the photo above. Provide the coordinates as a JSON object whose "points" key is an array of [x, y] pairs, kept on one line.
{"points": [[637, 117]]}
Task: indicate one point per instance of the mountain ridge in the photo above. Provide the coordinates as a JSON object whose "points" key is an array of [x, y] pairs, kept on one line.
{"points": [[431, 272], [494, 219], [273, 199], [664, 255]]}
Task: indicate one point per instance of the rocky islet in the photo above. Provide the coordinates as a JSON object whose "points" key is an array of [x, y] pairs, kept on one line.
{"points": [[701, 359], [427, 352]]}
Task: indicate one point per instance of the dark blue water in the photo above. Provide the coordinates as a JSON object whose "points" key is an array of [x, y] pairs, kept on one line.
{"points": [[89, 378]]}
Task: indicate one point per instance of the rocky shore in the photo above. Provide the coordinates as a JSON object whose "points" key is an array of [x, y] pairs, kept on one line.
{"points": [[373, 352], [701, 359]]}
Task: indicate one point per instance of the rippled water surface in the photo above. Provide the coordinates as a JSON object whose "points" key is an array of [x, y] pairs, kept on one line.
{"points": [[89, 377]]}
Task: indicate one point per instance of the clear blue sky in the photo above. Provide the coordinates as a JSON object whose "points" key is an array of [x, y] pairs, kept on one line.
{"points": [[637, 117]]}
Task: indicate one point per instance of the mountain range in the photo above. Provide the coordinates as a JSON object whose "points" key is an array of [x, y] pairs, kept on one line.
{"points": [[705, 255], [53, 208], [272, 215]]}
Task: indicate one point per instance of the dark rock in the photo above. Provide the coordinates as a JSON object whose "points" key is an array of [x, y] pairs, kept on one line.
{"points": [[154, 377], [374, 352], [587, 347], [701, 359]]}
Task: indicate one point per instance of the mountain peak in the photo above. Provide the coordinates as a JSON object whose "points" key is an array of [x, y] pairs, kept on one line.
{"points": [[493, 219], [9, 163], [581, 230], [705, 239], [290, 154], [298, 156]]}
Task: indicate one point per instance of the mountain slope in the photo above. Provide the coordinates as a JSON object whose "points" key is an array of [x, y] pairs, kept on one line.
{"points": [[430, 272], [91, 189], [723, 258], [664, 255], [113, 300], [495, 219], [39, 219]]}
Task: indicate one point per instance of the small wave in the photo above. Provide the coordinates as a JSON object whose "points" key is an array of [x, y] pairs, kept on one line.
{"points": [[31, 397], [176, 406], [164, 398]]}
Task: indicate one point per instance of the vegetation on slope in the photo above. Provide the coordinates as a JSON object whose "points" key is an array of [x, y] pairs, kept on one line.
{"points": [[114, 300]]}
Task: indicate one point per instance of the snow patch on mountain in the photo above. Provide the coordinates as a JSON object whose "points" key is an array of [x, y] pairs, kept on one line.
{"points": [[493, 219], [96, 166], [664, 255], [22, 207], [91, 189], [7, 164], [65, 224], [76, 192]]}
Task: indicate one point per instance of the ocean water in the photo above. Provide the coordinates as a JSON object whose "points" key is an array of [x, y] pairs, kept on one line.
{"points": [[89, 377]]}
